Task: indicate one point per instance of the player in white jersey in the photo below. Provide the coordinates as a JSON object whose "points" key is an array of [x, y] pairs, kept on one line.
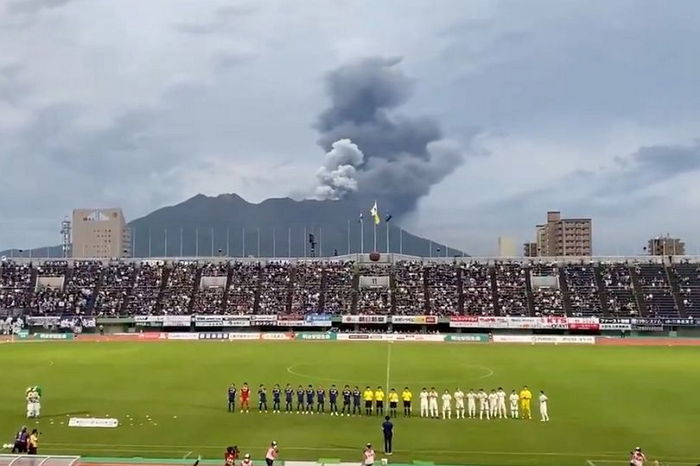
{"points": [[544, 415], [433, 403], [459, 403], [471, 403], [493, 403], [424, 395], [446, 405], [483, 404], [514, 400], [501, 407]]}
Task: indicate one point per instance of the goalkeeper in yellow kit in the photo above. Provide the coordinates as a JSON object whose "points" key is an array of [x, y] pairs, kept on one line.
{"points": [[525, 398]]}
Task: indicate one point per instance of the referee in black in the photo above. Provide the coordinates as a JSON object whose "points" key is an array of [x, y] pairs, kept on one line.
{"points": [[388, 431]]}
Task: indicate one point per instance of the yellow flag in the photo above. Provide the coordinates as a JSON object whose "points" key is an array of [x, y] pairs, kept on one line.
{"points": [[375, 213]]}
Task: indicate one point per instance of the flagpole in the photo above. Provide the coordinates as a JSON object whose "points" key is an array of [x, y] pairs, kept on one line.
{"points": [[348, 236], [274, 243], [228, 241], [243, 242], [388, 249], [196, 242], [362, 235], [165, 247], [289, 241], [375, 236], [320, 242], [400, 240], [304, 241]]}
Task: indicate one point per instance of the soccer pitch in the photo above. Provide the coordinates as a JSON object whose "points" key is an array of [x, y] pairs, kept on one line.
{"points": [[170, 399]]}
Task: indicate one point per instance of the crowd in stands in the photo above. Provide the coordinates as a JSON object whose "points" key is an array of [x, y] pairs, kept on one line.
{"points": [[546, 297], [296, 288]]}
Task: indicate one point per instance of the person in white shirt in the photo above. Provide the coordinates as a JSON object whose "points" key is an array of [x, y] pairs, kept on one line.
{"points": [[433, 403], [459, 403], [493, 403], [501, 408], [424, 395], [483, 404], [368, 455], [446, 405], [471, 403], [544, 415], [514, 400]]}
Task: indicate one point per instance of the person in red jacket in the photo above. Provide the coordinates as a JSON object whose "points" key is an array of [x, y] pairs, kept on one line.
{"points": [[245, 398], [231, 456]]}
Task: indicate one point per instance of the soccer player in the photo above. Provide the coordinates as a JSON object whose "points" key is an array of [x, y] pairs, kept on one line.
{"points": [[320, 400], [230, 456], [424, 395], [446, 405], [368, 455], [471, 403], [300, 399], [459, 403], [501, 407], [347, 397], [276, 398], [310, 392], [483, 404], [245, 398], [433, 403], [493, 403], [246, 460], [262, 398], [368, 396], [637, 458], [379, 401], [525, 398], [333, 400], [406, 396], [288, 398], [544, 414], [356, 396], [393, 402], [232, 398], [514, 399]]}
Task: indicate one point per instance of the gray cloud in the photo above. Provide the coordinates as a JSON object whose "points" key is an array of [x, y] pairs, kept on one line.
{"points": [[404, 156], [30, 7], [220, 22], [336, 178]]}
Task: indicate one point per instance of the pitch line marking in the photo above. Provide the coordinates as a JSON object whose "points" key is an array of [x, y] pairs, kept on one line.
{"points": [[187, 455], [590, 463], [613, 456], [388, 364]]}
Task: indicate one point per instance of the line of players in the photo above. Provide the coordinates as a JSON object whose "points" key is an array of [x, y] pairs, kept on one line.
{"points": [[312, 400]]}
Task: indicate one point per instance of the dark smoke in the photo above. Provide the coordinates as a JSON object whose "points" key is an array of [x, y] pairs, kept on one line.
{"points": [[403, 156]]}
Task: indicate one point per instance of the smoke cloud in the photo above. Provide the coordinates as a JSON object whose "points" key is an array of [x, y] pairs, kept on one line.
{"points": [[336, 177], [403, 156]]}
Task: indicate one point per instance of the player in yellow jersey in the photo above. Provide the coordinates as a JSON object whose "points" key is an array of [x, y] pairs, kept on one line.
{"points": [[406, 396], [525, 398], [393, 402], [379, 401], [368, 396]]}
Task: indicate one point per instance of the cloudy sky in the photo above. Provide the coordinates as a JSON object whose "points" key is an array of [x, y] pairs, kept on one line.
{"points": [[589, 107]]}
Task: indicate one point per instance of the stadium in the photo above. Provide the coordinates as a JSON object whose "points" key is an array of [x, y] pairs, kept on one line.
{"points": [[152, 346]]}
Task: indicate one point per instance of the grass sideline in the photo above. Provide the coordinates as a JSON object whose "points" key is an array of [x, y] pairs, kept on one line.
{"points": [[603, 400]]}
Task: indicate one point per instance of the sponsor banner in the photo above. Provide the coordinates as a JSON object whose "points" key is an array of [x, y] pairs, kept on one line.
{"points": [[515, 322], [292, 323], [316, 336], [318, 318], [277, 336], [213, 336], [363, 319], [583, 323], [22, 334], [648, 327], [244, 336], [614, 326], [464, 322], [416, 320], [42, 321], [544, 339], [261, 320], [183, 336], [389, 337], [467, 337], [164, 321], [221, 321], [78, 321], [53, 336], [93, 422]]}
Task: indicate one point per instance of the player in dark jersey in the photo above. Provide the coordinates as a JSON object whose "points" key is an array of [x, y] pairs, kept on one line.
{"points": [[232, 398], [262, 399], [276, 395], [356, 396], [333, 400], [347, 396], [300, 399], [321, 400], [310, 392], [288, 397]]}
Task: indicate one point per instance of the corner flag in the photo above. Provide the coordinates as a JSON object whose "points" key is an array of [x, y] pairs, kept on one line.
{"points": [[375, 213]]}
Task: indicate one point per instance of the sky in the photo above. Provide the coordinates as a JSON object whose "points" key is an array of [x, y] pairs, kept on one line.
{"points": [[589, 107]]}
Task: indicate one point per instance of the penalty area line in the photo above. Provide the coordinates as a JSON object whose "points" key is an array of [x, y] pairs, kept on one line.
{"points": [[187, 455], [590, 463]]}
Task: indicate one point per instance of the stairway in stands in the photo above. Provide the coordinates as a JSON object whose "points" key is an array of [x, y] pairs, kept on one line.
{"points": [[688, 276], [652, 283]]}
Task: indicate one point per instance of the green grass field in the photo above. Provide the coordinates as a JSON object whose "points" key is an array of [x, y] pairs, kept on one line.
{"points": [[603, 400]]}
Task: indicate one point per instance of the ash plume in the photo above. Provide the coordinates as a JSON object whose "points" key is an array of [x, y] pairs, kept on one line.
{"points": [[403, 155], [336, 178]]}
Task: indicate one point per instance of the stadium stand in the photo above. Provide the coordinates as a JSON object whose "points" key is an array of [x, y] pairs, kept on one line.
{"points": [[302, 287]]}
